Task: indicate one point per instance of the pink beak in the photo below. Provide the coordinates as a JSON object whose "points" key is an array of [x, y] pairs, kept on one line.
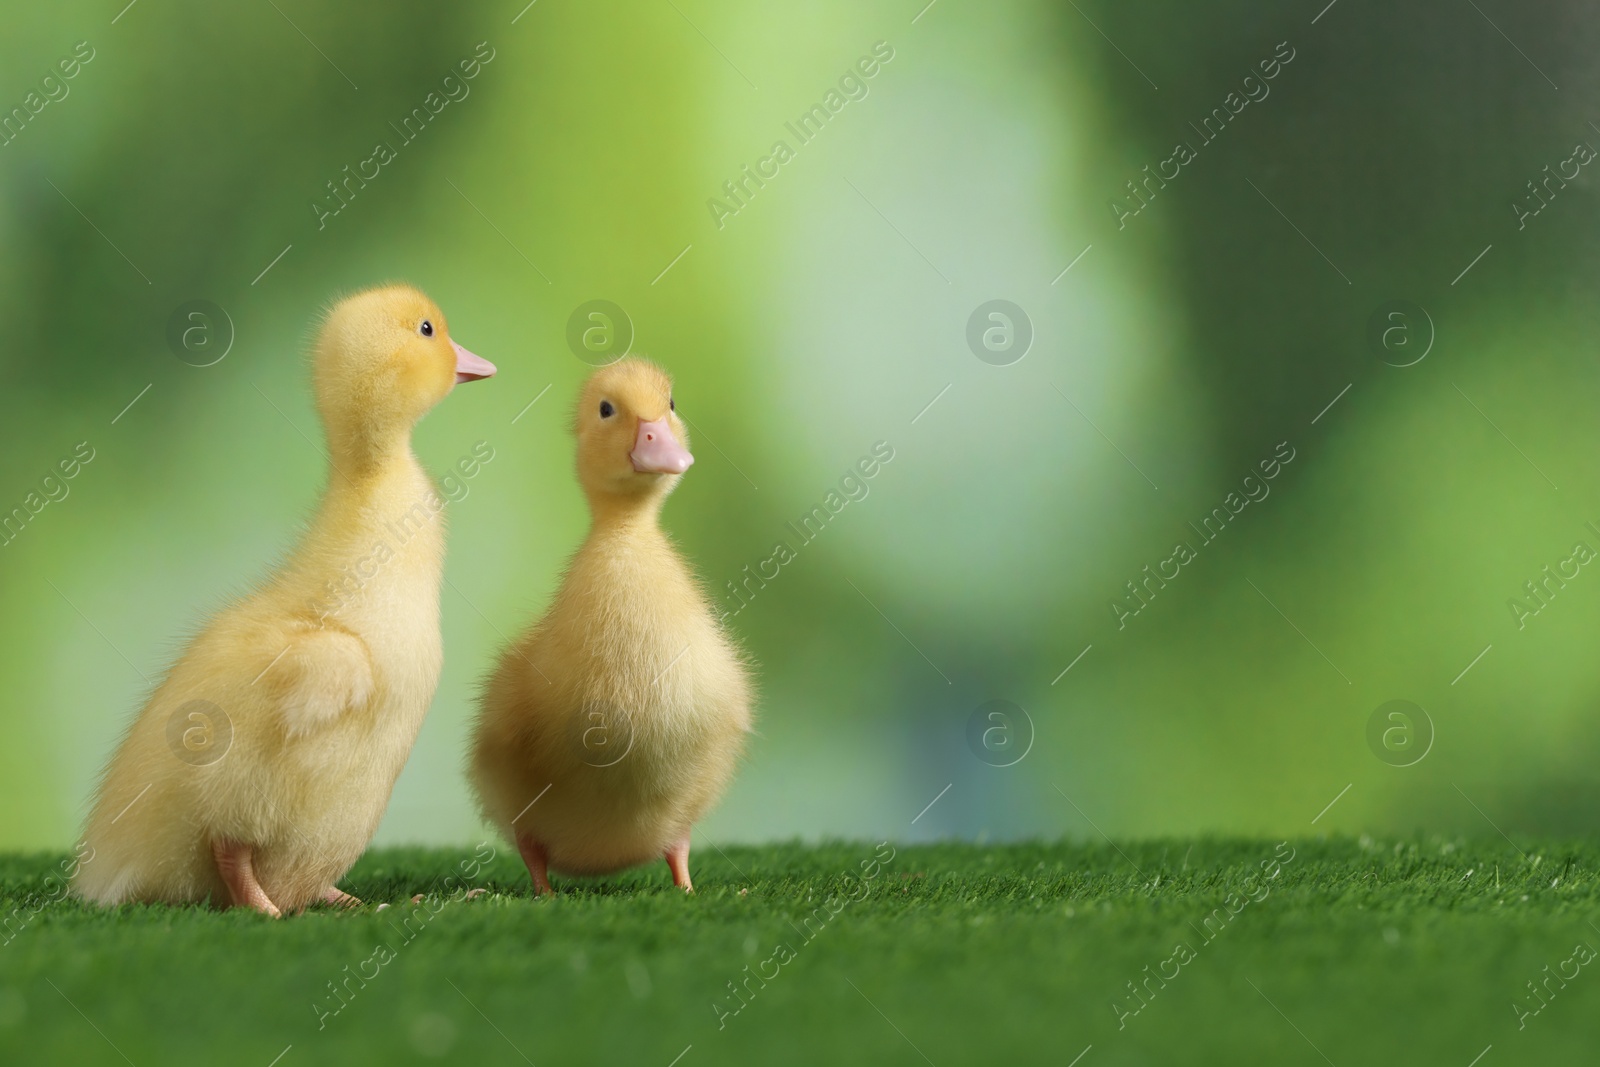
{"points": [[657, 451], [469, 368]]}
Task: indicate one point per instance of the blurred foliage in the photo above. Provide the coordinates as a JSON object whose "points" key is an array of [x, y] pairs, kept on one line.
{"points": [[824, 317]]}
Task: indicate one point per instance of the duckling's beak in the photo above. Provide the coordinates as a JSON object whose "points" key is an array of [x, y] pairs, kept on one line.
{"points": [[656, 450], [469, 368]]}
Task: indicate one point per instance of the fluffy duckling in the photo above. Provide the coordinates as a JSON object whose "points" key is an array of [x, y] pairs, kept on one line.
{"points": [[257, 772], [617, 720]]}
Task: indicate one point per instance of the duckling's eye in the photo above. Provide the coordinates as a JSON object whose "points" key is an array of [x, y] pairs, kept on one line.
{"points": [[672, 404], [606, 410], [426, 329]]}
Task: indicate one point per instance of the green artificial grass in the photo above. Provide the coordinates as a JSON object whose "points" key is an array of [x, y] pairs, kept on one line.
{"points": [[1414, 951]]}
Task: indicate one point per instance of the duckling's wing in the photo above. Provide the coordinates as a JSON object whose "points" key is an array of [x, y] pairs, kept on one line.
{"points": [[318, 676]]}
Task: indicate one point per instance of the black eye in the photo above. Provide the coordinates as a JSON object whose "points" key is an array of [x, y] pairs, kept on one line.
{"points": [[426, 328], [672, 404], [606, 410]]}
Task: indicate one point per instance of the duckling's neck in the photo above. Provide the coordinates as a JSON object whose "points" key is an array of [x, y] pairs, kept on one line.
{"points": [[372, 480], [360, 456], [378, 527], [613, 516], [367, 491]]}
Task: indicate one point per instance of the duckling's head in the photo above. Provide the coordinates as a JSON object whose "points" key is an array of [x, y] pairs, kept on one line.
{"points": [[384, 357], [631, 444]]}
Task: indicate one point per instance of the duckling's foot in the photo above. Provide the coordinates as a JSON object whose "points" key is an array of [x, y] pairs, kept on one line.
{"points": [[538, 861], [338, 898], [236, 865], [677, 856]]}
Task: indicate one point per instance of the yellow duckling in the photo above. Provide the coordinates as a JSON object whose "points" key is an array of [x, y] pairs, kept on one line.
{"points": [[258, 770], [617, 720]]}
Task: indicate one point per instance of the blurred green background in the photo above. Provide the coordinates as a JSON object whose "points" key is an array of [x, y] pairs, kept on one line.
{"points": [[979, 162]]}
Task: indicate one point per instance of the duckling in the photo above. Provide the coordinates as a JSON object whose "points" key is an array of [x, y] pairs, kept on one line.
{"points": [[617, 720], [257, 771]]}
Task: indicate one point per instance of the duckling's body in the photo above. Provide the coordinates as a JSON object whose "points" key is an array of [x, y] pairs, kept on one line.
{"points": [[618, 719], [258, 771]]}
